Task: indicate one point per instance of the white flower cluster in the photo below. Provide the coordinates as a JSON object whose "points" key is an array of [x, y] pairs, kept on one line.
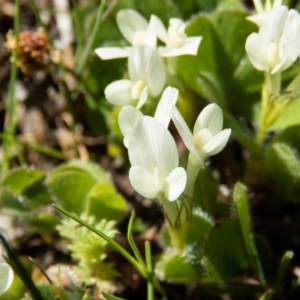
{"points": [[155, 170], [147, 74], [276, 46]]}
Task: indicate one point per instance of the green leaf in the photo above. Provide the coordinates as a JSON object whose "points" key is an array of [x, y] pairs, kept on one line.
{"points": [[289, 117], [164, 9], [27, 186], [225, 254], [226, 4], [220, 53], [72, 183], [241, 202], [197, 232], [265, 255], [94, 170], [13, 203], [105, 203], [267, 295], [205, 191], [184, 269], [20, 179], [111, 297], [282, 165], [71, 186]]}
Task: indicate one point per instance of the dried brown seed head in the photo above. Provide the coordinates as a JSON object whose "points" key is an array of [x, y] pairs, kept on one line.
{"points": [[34, 50]]}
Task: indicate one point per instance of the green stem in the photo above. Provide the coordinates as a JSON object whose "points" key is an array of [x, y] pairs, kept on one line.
{"points": [[282, 270], [39, 148], [267, 295], [77, 17], [150, 290], [12, 104], [270, 90], [37, 14], [132, 243], [193, 168], [90, 42], [20, 270], [43, 149]]}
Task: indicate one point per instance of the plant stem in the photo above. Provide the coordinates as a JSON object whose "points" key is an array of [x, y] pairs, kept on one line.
{"points": [[193, 168], [90, 42], [12, 104], [132, 243], [150, 291], [270, 90], [79, 30]]}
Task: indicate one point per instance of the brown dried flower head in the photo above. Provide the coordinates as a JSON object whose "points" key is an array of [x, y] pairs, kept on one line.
{"points": [[34, 50]]}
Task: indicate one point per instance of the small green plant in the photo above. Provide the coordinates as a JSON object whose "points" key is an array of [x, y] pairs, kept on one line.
{"points": [[90, 251]]}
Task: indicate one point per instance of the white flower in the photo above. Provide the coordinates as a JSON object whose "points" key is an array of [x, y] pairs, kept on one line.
{"points": [[154, 159], [134, 29], [147, 78], [268, 5], [129, 115], [277, 44], [176, 40], [6, 276], [208, 138]]}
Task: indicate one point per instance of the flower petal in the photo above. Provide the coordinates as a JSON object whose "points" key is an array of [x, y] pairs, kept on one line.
{"points": [[165, 105], [217, 143], [190, 47], [176, 183], [106, 53], [144, 63], [150, 38], [211, 117], [129, 22], [128, 117], [184, 131], [201, 138], [160, 30], [272, 26], [119, 92], [154, 71], [257, 18], [151, 145], [6, 277], [290, 43], [257, 49], [143, 97], [143, 182]]}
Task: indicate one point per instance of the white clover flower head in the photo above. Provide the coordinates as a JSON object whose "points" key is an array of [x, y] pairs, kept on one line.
{"points": [[175, 38], [147, 77], [135, 29], [6, 276], [207, 138], [154, 159], [277, 45], [129, 115]]}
